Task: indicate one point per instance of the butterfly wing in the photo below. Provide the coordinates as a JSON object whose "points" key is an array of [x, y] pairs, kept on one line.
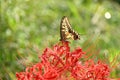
{"points": [[66, 32]]}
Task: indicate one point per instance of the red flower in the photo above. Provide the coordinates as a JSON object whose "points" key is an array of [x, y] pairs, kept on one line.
{"points": [[61, 64], [91, 71]]}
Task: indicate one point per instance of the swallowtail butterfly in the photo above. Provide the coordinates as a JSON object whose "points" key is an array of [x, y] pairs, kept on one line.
{"points": [[66, 31]]}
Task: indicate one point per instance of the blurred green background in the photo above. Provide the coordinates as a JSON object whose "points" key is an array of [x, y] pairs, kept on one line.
{"points": [[27, 27]]}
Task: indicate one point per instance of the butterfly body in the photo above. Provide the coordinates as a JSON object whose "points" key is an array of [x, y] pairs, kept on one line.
{"points": [[66, 32]]}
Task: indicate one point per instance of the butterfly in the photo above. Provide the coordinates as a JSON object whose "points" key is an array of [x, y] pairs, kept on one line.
{"points": [[66, 31]]}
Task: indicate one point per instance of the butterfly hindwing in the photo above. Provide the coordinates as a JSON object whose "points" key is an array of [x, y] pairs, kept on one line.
{"points": [[66, 32]]}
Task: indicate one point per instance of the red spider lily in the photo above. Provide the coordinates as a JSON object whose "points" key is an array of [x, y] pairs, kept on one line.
{"points": [[61, 64]]}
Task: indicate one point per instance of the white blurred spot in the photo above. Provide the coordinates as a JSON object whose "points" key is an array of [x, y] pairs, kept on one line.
{"points": [[8, 32], [107, 15]]}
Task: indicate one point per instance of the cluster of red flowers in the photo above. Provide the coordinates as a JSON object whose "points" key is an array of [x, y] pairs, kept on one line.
{"points": [[61, 64]]}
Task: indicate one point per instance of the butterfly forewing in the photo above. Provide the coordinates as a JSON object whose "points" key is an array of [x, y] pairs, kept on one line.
{"points": [[66, 32]]}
